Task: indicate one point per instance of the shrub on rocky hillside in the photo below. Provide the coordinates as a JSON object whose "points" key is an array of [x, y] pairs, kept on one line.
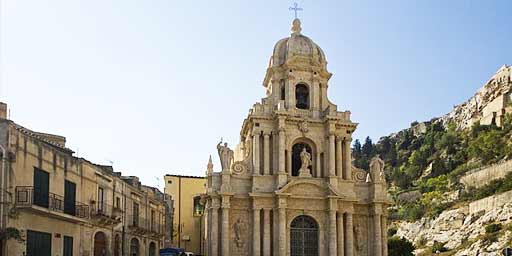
{"points": [[399, 247]]}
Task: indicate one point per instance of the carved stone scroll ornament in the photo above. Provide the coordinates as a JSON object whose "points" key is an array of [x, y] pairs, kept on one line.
{"points": [[243, 166], [359, 175]]}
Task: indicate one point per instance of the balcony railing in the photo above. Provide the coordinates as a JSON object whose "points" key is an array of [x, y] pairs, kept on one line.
{"points": [[104, 209], [27, 196]]}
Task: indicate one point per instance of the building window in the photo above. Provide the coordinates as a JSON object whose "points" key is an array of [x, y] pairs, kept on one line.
{"points": [[69, 197], [302, 96], [68, 246], [283, 92], [118, 203], [41, 188], [101, 196], [198, 207], [135, 217], [38, 243]]}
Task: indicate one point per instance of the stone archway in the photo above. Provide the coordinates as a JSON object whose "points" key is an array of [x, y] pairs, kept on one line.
{"points": [[134, 247], [304, 236], [100, 244], [117, 245], [152, 249]]}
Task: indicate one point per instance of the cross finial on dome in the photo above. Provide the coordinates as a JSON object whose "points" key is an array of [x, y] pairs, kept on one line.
{"points": [[295, 8]]}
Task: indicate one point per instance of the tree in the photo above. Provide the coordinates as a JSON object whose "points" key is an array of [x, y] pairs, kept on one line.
{"points": [[368, 147], [399, 247], [356, 149]]}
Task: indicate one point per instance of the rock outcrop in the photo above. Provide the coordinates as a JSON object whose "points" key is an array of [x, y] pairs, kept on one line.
{"points": [[460, 231]]}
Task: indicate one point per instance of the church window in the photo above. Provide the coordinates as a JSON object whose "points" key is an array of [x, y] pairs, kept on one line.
{"points": [[302, 96], [304, 236], [198, 207], [296, 162], [283, 96]]}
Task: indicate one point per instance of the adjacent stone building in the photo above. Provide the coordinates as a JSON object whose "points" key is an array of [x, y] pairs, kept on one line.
{"points": [[289, 187], [185, 193], [54, 203]]}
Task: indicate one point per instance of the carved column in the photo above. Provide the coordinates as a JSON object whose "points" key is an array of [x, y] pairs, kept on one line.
{"points": [[332, 156], [377, 250], [384, 235], [282, 178], [340, 231], [215, 227], [349, 235], [289, 167], [225, 225], [282, 226], [266, 231], [282, 146], [256, 233], [318, 170], [347, 159], [256, 152], [339, 158], [266, 153], [332, 233]]}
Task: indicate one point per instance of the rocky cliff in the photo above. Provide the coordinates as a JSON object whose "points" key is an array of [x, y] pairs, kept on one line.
{"points": [[478, 106], [435, 211]]}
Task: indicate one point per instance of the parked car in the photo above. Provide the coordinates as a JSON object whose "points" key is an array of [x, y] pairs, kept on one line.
{"points": [[172, 252]]}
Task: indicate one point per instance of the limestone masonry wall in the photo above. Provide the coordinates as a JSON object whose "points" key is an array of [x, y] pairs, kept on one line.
{"points": [[489, 203], [480, 177]]}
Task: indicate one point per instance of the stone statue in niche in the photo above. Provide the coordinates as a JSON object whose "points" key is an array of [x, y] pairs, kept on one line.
{"points": [[240, 229], [358, 237], [377, 169], [225, 155], [305, 158]]}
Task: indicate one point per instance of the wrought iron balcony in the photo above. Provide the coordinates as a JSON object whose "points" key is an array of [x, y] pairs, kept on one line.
{"points": [[28, 196], [105, 213]]}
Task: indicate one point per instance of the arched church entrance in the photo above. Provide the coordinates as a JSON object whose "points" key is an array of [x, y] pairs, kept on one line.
{"points": [[296, 162], [152, 249], [134, 247], [304, 236], [100, 244]]}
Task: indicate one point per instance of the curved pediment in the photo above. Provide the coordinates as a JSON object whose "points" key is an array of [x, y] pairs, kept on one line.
{"points": [[308, 187]]}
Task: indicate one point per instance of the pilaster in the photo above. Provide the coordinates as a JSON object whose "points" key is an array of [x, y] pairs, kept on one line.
{"points": [[266, 231], [266, 153], [225, 225]]}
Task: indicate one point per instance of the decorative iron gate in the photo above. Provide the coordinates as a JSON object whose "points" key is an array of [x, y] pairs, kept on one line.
{"points": [[304, 236]]}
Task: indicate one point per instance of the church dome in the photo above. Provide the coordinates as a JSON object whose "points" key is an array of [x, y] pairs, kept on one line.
{"points": [[297, 45]]}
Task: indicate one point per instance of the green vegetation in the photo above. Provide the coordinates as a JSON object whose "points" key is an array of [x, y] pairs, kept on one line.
{"points": [[438, 247], [493, 228], [399, 247], [430, 157]]}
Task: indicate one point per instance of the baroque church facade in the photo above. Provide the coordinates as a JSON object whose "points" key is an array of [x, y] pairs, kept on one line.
{"points": [[289, 187]]}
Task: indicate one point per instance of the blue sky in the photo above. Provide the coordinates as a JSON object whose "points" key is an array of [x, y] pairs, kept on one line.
{"points": [[153, 85]]}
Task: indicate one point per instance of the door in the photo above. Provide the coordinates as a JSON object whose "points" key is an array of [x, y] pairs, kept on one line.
{"points": [[69, 197], [134, 247], [41, 187], [68, 246], [304, 236], [39, 243], [100, 244]]}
